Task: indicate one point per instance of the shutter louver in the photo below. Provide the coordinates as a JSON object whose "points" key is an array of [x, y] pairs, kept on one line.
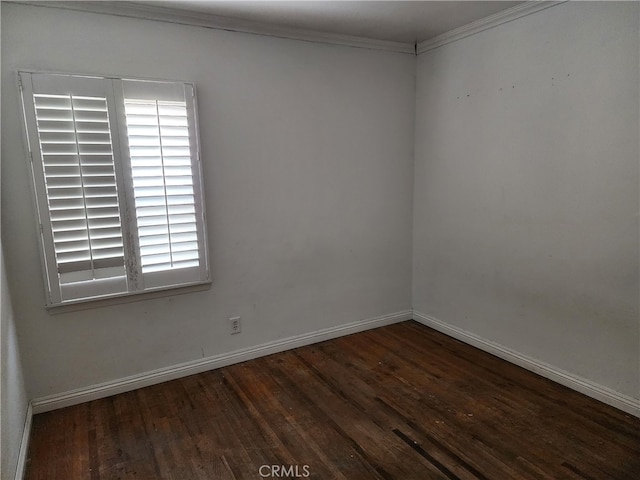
{"points": [[78, 163], [159, 148]]}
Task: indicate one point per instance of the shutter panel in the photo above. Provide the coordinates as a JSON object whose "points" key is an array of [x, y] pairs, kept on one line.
{"points": [[163, 184], [77, 156], [117, 184]]}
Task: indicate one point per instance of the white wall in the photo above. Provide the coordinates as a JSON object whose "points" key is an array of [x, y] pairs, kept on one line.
{"points": [[13, 397], [308, 164], [526, 189]]}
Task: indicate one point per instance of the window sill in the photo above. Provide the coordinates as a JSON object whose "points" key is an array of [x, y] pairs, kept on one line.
{"points": [[121, 298]]}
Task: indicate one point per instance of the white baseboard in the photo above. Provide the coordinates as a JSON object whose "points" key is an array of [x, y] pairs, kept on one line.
{"points": [[24, 444], [106, 389], [574, 382]]}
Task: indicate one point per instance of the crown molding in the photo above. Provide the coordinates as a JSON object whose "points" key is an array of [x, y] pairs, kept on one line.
{"points": [[205, 20], [505, 16]]}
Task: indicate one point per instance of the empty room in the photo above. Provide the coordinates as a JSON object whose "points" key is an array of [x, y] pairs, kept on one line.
{"points": [[315, 239]]}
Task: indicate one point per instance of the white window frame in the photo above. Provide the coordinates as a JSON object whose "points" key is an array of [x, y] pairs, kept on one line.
{"points": [[135, 281]]}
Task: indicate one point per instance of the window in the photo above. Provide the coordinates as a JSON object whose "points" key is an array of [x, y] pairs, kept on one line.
{"points": [[117, 178]]}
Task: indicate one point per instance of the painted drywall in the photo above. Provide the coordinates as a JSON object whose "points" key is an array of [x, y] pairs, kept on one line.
{"points": [[308, 165], [13, 396], [526, 189]]}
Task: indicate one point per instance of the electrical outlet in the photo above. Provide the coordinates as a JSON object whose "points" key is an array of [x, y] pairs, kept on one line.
{"points": [[234, 325]]}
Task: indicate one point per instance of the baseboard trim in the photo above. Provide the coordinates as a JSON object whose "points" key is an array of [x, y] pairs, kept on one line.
{"points": [[133, 382], [24, 444], [606, 395]]}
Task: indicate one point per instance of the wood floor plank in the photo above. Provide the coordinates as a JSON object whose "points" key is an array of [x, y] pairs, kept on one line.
{"points": [[406, 398], [351, 421], [522, 427], [397, 402]]}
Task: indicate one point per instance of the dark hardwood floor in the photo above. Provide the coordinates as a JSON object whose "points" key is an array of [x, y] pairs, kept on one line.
{"points": [[398, 402]]}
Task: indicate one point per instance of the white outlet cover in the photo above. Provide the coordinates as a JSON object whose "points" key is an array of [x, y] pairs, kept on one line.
{"points": [[234, 325]]}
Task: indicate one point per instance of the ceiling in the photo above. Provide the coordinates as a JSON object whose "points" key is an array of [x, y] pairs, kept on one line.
{"points": [[397, 21]]}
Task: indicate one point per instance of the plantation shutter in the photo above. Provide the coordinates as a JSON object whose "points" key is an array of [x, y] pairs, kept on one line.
{"points": [[117, 178], [74, 145], [75, 141], [164, 165]]}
